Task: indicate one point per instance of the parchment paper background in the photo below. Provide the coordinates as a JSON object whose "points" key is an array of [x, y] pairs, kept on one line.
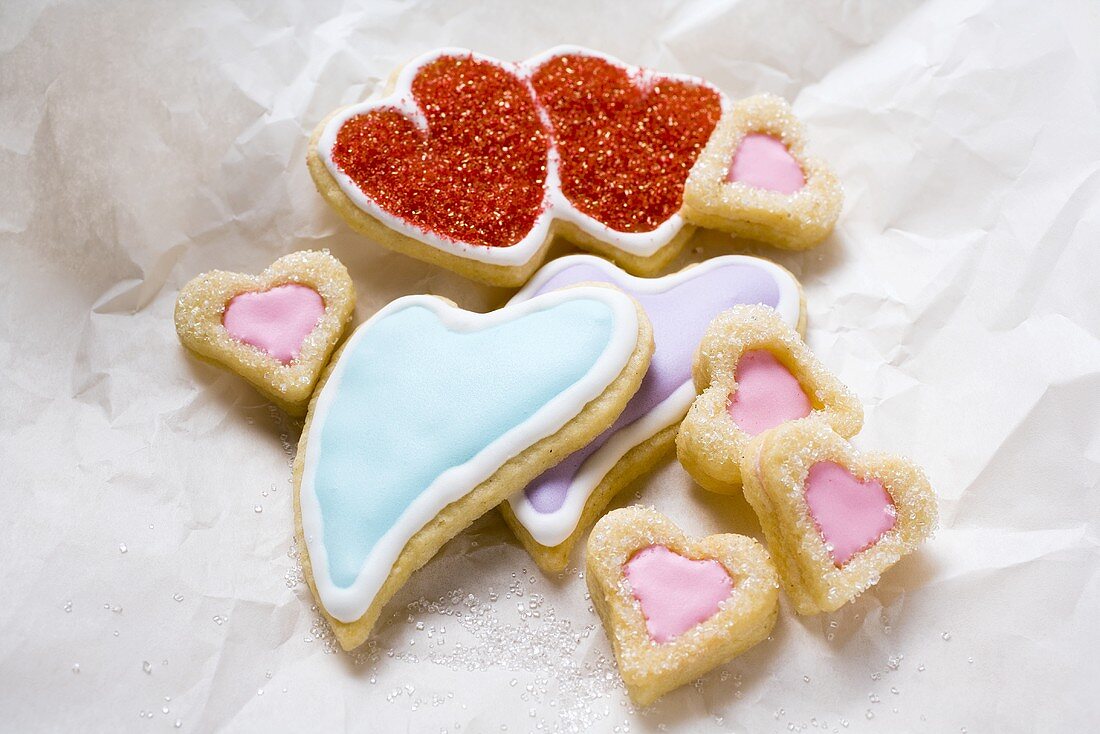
{"points": [[145, 498]]}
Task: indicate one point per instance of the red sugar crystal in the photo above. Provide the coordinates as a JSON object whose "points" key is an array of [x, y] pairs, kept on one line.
{"points": [[477, 175], [626, 149]]}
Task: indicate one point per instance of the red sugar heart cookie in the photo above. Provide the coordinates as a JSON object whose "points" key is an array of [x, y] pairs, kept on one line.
{"points": [[449, 169]]}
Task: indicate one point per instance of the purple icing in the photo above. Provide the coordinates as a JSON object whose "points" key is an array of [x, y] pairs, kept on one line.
{"points": [[679, 316]]}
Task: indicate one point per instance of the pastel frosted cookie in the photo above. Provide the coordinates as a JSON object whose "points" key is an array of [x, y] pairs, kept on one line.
{"points": [[754, 372], [276, 329], [429, 416], [674, 608], [474, 164], [756, 180], [558, 507], [834, 519]]}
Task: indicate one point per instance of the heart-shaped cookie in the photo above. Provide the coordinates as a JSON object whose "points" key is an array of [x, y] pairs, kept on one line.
{"points": [[754, 372], [276, 329], [429, 416], [450, 165], [557, 508], [674, 608], [756, 180], [485, 173], [834, 519]]}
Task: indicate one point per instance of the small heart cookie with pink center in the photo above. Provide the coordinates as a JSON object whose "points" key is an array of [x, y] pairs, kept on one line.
{"points": [[755, 179], [754, 373], [835, 519], [276, 329], [673, 607]]}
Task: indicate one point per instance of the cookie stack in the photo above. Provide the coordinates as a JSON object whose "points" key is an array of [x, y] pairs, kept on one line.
{"points": [[427, 416]]}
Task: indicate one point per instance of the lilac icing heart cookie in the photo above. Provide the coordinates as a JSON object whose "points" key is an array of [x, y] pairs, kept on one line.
{"points": [[555, 509], [674, 607], [835, 519], [276, 329]]}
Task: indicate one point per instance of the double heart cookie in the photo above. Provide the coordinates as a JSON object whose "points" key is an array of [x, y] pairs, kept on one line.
{"points": [[834, 519], [675, 608], [429, 416], [755, 179], [276, 329], [754, 372], [475, 164], [555, 509]]}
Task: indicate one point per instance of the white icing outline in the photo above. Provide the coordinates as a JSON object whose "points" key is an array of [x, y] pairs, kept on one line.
{"points": [[350, 603], [552, 528], [555, 205]]}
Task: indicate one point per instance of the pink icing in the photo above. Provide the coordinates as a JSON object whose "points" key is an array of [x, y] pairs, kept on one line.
{"points": [[850, 515], [767, 394], [276, 321], [763, 162], [675, 593]]}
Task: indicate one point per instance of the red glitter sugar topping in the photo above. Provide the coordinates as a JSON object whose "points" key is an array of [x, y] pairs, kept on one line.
{"points": [[477, 175], [626, 147]]}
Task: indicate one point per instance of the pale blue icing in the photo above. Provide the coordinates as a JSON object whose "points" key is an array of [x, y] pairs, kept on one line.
{"points": [[417, 398]]}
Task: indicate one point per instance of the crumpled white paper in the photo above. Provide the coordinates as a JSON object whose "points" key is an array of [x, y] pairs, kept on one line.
{"points": [[147, 581]]}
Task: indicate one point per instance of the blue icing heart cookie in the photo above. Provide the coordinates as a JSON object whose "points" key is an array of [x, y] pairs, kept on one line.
{"points": [[425, 403]]}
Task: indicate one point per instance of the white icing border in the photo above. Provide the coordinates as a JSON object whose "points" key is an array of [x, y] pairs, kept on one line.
{"points": [[555, 205], [350, 603], [552, 528]]}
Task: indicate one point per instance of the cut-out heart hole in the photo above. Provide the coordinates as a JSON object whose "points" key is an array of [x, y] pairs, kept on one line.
{"points": [[767, 394], [675, 593], [276, 321], [763, 162], [850, 514]]}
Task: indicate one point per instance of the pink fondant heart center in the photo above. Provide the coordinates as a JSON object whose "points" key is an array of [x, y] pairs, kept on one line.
{"points": [[675, 593], [850, 514], [767, 394], [763, 162], [276, 321]]}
